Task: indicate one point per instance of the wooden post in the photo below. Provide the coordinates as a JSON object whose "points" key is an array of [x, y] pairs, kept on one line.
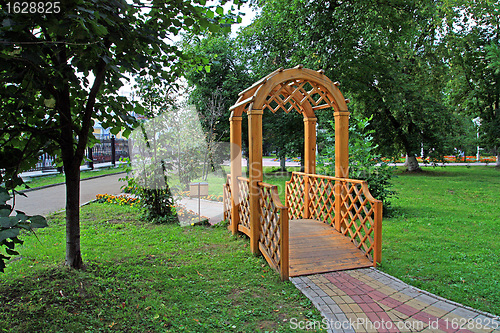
{"points": [[309, 160], [235, 137], [255, 164], [341, 163], [377, 251], [310, 145], [342, 144], [338, 205], [284, 246]]}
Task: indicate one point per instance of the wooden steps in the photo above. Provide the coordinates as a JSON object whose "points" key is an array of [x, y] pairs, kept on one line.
{"points": [[315, 247]]}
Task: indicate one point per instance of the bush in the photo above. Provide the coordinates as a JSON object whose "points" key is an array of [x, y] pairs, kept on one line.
{"points": [[156, 201], [364, 163], [11, 226]]}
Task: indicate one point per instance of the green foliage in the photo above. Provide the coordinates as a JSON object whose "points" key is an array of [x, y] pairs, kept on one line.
{"points": [[155, 200], [364, 162], [11, 226], [141, 277], [59, 72], [386, 55], [473, 88]]}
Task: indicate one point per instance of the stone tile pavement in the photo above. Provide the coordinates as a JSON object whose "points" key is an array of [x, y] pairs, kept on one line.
{"points": [[367, 300]]}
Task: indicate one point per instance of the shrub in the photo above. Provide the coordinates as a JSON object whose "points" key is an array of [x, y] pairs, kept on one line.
{"points": [[11, 226], [155, 197], [364, 163]]}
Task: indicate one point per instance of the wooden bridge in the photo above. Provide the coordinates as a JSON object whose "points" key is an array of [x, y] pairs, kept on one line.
{"points": [[326, 223], [329, 224]]}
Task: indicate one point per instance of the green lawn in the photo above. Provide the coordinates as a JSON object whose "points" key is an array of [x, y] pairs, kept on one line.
{"points": [[60, 178], [444, 234], [443, 238], [144, 278]]}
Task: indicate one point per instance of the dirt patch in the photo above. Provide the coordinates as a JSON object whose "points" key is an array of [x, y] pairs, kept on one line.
{"points": [[267, 325]]}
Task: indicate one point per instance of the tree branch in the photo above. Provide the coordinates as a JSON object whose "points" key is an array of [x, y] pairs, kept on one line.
{"points": [[100, 74]]}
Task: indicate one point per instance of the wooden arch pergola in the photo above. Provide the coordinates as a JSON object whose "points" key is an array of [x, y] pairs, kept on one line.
{"points": [[296, 89]]}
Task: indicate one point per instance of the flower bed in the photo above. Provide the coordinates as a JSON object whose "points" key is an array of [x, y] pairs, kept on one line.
{"points": [[449, 159], [186, 216]]}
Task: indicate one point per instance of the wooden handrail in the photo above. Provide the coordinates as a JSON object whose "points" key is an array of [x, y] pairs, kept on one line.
{"points": [[355, 212], [274, 233]]}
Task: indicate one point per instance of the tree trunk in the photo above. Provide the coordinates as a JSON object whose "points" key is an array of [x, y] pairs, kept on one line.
{"points": [[73, 253], [283, 163], [498, 159], [412, 163]]}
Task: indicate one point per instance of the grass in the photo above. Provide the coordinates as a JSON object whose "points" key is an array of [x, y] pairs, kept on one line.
{"points": [[141, 277], [443, 236], [60, 177], [270, 176]]}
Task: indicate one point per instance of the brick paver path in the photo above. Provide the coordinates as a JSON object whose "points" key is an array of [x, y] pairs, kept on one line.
{"points": [[367, 300]]}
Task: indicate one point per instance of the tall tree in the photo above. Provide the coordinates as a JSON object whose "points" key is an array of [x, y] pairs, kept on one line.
{"points": [[474, 46], [215, 90], [385, 54], [61, 70]]}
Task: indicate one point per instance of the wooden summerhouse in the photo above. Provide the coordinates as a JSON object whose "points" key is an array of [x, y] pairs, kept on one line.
{"points": [[327, 223]]}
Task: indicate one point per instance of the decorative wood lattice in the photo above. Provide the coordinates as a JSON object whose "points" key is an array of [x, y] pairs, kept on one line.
{"points": [[359, 215], [322, 199], [273, 238], [244, 212], [294, 197], [343, 203], [290, 95], [227, 199]]}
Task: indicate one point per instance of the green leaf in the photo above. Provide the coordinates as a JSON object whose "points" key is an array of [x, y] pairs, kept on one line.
{"points": [[220, 10], [8, 233], [188, 21], [4, 195], [8, 222], [38, 221], [207, 68], [11, 252]]}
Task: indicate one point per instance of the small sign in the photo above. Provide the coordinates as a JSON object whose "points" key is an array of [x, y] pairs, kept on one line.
{"points": [[197, 190]]}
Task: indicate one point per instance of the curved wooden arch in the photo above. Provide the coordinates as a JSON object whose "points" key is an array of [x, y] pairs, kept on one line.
{"points": [[300, 89], [290, 83]]}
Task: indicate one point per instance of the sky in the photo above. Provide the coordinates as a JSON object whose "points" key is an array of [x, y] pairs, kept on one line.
{"points": [[247, 17]]}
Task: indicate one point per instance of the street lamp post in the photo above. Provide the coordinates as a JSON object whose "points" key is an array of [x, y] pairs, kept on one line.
{"points": [[477, 122]]}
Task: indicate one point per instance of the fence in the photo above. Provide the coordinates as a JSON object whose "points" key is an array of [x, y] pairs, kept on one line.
{"points": [[273, 221], [345, 204], [107, 150]]}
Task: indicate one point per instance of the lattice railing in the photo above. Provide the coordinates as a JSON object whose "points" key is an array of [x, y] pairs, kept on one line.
{"points": [[343, 203], [294, 196], [359, 216], [244, 201], [227, 199], [322, 199], [273, 238]]}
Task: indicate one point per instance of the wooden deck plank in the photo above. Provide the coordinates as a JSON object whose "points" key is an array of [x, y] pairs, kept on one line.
{"points": [[316, 247]]}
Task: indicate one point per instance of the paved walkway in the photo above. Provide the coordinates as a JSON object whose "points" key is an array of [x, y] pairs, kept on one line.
{"points": [[51, 199], [212, 209], [367, 300]]}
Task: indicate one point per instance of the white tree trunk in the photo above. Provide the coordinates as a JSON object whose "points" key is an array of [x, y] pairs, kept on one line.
{"points": [[498, 159]]}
